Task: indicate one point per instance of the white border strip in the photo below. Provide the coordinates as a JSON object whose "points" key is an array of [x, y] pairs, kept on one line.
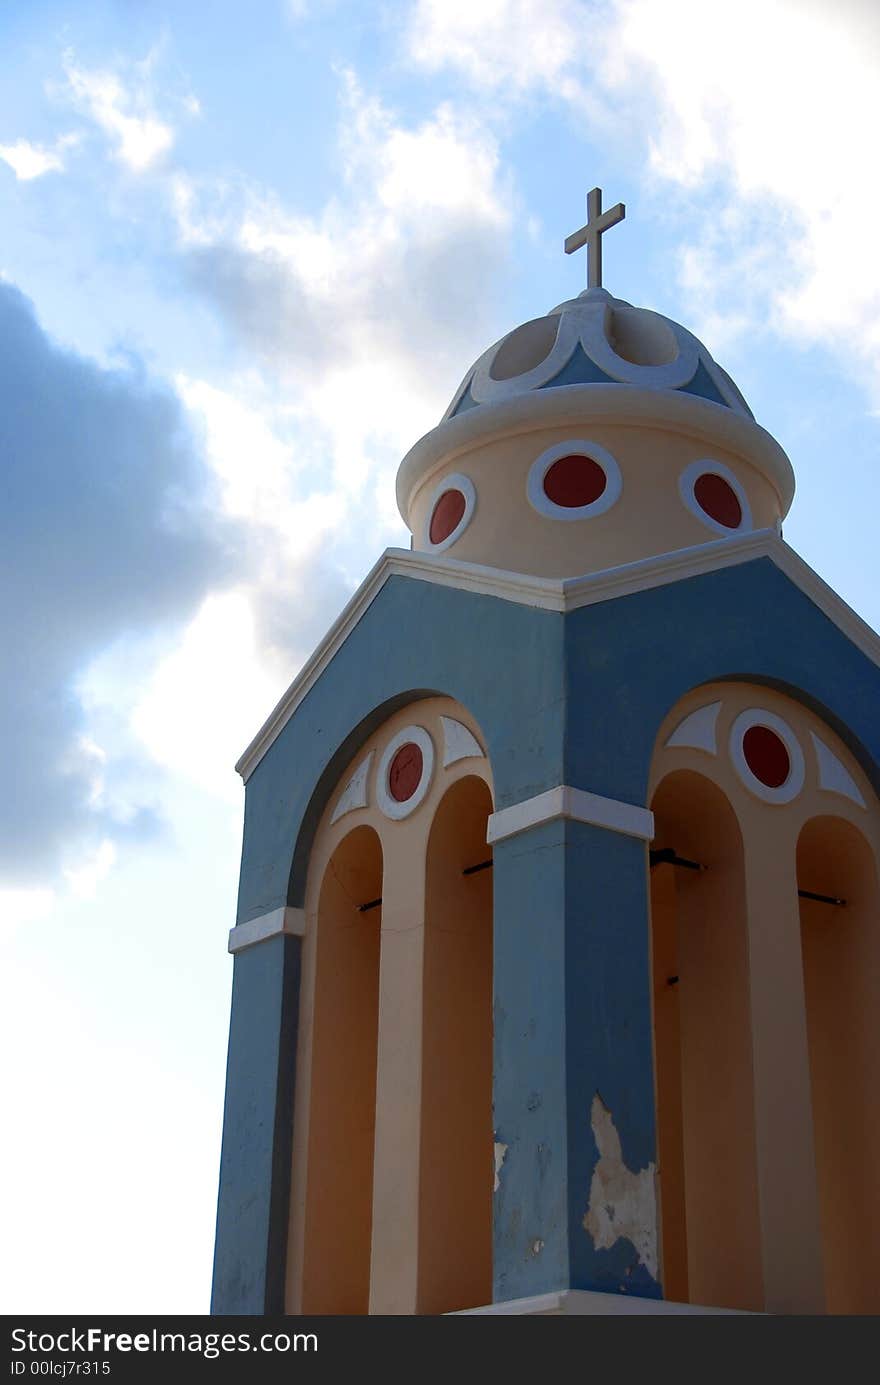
{"points": [[286, 920], [576, 804], [552, 594], [590, 1303]]}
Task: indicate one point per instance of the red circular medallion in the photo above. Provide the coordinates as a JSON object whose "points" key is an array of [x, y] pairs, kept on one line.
{"points": [[766, 756], [717, 498], [405, 772], [574, 481], [448, 514]]}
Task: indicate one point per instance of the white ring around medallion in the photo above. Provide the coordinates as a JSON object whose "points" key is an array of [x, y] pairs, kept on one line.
{"points": [[670, 375], [455, 482], [390, 806], [708, 466], [540, 501], [486, 390], [756, 716]]}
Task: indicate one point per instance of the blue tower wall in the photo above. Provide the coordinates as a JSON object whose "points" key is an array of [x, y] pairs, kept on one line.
{"points": [[574, 700]]}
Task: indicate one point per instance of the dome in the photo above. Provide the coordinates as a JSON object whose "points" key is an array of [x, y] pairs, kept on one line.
{"points": [[596, 436], [596, 339]]}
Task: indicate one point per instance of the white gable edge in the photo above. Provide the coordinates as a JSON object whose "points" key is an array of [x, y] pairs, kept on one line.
{"points": [[555, 594]]}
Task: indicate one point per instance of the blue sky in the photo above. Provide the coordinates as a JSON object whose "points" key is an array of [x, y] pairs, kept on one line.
{"points": [[247, 254]]}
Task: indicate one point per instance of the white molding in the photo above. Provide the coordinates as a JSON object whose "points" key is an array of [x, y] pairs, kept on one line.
{"points": [[698, 730], [285, 920], [576, 804], [687, 482], [834, 777], [540, 500], [553, 594], [354, 794], [456, 481], [459, 743], [590, 1303]]}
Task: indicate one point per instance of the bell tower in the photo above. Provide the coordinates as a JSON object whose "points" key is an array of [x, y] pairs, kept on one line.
{"points": [[558, 937]]}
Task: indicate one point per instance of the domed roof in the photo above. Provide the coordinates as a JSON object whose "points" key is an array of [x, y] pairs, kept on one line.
{"points": [[596, 339]]}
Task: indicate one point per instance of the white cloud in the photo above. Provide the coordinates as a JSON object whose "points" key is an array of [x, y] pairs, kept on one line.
{"points": [[29, 161], [114, 1161], [83, 880], [768, 131], [21, 907], [208, 697], [367, 310], [123, 111], [785, 112], [515, 46]]}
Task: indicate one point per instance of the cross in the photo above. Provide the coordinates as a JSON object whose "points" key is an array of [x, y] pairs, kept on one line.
{"points": [[591, 235]]}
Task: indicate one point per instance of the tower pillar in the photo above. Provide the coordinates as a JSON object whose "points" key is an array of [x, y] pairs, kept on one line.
{"points": [[394, 1260], [788, 1194]]}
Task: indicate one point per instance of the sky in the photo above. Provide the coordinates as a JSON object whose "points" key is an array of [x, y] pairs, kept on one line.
{"points": [[246, 255]]}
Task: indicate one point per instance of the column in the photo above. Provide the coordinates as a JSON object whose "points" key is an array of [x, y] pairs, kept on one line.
{"points": [[251, 1245], [530, 1223], [787, 1184], [395, 1235]]}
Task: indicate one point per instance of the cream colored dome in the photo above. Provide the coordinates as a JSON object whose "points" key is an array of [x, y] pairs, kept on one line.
{"points": [[598, 435]]}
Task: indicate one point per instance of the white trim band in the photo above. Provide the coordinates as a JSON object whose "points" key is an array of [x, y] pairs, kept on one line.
{"points": [[286, 920], [576, 804], [591, 1303], [560, 594]]}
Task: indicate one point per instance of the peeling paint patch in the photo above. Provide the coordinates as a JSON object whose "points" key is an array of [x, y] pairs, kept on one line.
{"points": [[537, 1247], [622, 1204], [500, 1154]]}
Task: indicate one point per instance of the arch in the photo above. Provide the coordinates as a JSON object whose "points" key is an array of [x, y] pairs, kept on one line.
{"points": [[841, 960], [388, 958], [338, 1221], [803, 698], [684, 695], [456, 1169], [328, 782], [707, 1168]]}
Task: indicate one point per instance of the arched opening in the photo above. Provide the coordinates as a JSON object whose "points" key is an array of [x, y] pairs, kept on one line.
{"points": [[841, 954], [707, 1173], [456, 1170], [336, 1264]]}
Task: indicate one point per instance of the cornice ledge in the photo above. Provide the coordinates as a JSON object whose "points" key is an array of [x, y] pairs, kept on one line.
{"points": [[258, 930], [560, 595], [544, 592]]}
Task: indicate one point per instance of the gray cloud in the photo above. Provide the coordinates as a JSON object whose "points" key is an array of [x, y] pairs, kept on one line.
{"points": [[425, 302], [107, 529]]}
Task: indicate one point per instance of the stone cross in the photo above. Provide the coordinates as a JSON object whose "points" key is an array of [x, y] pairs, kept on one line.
{"points": [[591, 235]]}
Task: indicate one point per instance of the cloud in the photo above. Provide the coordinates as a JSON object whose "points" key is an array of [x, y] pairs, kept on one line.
{"points": [[355, 323], [120, 1154], [767, 136], [385, 290], [29, 161], [208, 696], [781, 118], [512, 46], [123, 110], [108, 532]]}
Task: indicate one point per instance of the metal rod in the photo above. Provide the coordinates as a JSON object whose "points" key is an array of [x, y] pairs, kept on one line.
{"points": [[481, 865], [371, 904], [822, 898], [666, 856]]}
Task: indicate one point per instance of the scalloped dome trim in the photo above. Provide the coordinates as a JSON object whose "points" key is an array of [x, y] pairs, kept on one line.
{"points": [[596, 339]]}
